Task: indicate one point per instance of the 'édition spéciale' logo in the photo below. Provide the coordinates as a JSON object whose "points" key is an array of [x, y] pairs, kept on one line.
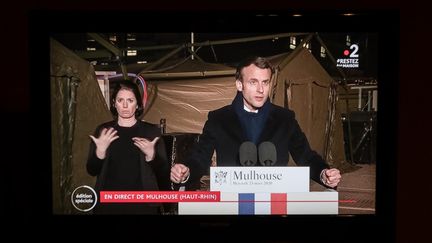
{"points": [[84, 198]]}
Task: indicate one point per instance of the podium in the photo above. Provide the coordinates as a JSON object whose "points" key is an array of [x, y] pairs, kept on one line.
{"points": [[262, 191]]}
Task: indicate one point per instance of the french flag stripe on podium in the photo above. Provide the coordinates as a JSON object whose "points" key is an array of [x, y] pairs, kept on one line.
{"points": [[279, 203], [246, 203], [262, 205]]}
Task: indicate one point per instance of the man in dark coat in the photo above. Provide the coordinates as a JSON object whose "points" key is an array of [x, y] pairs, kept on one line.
{"points": [[252, 117]]}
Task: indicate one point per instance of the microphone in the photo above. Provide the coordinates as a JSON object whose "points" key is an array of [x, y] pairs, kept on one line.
{"points": [[267, 153], [248, 154]]}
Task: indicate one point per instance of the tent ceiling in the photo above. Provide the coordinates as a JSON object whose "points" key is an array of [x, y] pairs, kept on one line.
{"points": [[109, 51]]}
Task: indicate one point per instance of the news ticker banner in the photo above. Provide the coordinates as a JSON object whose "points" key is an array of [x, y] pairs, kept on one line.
{"points": [[227, 203], [158, 196], [259, 179], [84, 198]]}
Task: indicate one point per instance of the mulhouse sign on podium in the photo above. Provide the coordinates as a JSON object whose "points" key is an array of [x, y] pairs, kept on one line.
{"points": [[263, 191]]}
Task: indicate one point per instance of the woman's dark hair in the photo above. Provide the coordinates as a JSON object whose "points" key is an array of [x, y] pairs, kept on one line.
{"points": [[260, 62], [127, 85]]}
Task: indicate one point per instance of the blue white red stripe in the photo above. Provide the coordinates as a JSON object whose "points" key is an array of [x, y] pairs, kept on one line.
{"points": [[265, 203]]}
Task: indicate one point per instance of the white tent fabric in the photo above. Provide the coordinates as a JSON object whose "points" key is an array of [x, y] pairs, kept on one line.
{"points": [[301, 84]]}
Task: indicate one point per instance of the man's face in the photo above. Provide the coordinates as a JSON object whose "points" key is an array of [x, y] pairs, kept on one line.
{"points": [[255, 86]]}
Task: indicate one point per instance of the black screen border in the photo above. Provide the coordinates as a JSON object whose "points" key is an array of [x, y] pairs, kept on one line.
{"points": [[385, 23]]}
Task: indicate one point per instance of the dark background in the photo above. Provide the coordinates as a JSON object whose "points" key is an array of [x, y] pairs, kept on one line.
{"points": [[25, 196]]}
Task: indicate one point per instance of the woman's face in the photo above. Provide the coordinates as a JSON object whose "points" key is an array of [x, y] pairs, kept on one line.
{"points": [[126, 103]]}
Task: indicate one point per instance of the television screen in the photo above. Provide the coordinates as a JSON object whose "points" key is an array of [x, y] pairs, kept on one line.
{"points": [[335, 71]]}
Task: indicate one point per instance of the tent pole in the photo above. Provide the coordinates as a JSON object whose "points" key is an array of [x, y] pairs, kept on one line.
{"points": [[117, 52], [192, 50], [161, 60], [220, 42]]}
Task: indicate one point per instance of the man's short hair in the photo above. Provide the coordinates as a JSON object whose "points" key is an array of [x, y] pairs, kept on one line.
{"points": [[260, 62]]}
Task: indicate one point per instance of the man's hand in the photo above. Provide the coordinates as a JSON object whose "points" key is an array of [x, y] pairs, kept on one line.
{"points": [[331, 177], [179, 173]]}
